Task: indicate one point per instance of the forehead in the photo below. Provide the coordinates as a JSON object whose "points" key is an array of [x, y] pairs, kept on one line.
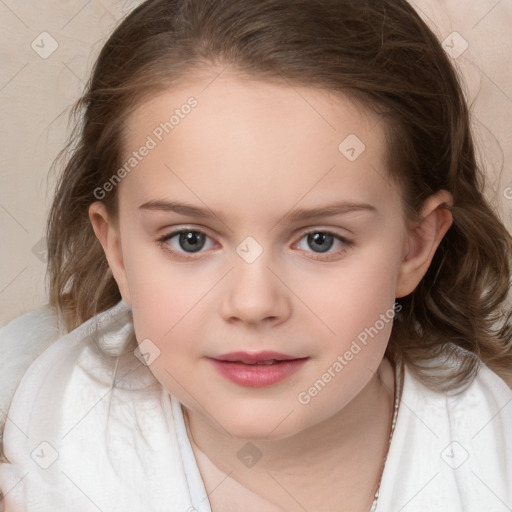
{"points": [[230, 138]]}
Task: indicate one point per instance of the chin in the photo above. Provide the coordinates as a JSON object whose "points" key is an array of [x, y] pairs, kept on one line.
{"points": [[249, 433], [262, 427]]}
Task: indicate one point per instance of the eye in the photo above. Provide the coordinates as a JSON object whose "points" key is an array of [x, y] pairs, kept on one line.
{"points": [[187, 241], [183, 243], [321, 241]]}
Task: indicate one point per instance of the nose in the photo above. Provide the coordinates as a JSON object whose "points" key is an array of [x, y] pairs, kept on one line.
{"points": [[255, 293]]}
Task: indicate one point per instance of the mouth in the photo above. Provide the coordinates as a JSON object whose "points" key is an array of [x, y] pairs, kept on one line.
{"points": [[266, 357], [257, 370]]}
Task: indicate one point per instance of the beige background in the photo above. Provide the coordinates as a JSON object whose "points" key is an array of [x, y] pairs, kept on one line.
{"points": [[36, 94]]}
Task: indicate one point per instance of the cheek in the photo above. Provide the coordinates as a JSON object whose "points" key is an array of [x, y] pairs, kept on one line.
{"points": [[155, 293], [168, 303], [336, 301], [358, 308], [354, 296]]}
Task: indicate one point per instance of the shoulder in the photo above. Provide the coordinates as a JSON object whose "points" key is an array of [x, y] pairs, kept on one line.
{"points": [[22, 340], [28, 335], [90, 392], [29, 331], [486, 396], [455, 446], [487, 390], [479, 413]]}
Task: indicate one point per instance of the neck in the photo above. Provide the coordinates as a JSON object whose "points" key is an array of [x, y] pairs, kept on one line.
{"points": [[348, 449]]}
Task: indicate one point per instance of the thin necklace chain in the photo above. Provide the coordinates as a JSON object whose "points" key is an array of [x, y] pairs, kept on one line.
{"points": [[397, 395]]}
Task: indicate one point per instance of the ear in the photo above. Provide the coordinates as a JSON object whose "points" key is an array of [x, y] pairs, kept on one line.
{"points": [[422, 241], [107, 232]]}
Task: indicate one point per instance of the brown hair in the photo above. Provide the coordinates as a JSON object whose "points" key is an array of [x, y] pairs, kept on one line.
{"points": [[378, 52]]}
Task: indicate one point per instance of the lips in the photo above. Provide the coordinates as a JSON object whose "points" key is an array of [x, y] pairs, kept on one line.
{"points": [[257, 369], [266, 357]]}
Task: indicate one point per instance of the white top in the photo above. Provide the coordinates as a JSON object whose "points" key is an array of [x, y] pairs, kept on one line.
{"points": [[89, 429]]}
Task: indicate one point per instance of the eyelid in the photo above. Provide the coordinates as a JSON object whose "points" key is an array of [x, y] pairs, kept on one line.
{"points": [[167, 231], [322, 229]]}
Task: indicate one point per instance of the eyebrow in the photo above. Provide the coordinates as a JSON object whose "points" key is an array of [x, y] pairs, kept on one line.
{"points": [[298, 214]]}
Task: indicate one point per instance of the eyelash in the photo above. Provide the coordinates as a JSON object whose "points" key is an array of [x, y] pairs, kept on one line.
{"points": [[163, 243]]}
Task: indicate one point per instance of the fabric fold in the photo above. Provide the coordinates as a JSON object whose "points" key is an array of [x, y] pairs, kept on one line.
{"points": [[90, 428], [88, 431]]}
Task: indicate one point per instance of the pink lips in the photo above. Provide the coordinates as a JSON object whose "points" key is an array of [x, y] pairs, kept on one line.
{"points": [[242, 368]]}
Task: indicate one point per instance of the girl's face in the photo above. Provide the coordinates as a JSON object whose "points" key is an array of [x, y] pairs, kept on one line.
{"points": [[232, 171]]}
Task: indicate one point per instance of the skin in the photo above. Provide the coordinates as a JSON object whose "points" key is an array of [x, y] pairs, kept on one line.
{"points": [[254, 151]]}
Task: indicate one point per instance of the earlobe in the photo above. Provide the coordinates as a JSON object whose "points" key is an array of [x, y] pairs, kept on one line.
{"points": [[107, 233], [423, 240]]}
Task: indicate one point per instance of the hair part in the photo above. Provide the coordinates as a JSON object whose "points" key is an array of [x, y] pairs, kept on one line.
{"points": [[378, 53]]}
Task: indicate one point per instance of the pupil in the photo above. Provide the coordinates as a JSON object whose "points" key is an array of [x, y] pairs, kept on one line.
{"points": [[320, 238], [190, 241]]}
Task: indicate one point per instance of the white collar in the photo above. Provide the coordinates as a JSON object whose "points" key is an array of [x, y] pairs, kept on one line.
{"points": [[125, 447]]}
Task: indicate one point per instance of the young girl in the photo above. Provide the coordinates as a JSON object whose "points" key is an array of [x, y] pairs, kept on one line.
{"points": [[275, 282]]}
